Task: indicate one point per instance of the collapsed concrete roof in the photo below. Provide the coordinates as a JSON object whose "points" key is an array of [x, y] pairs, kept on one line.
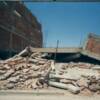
{"points": [[91, 48]]}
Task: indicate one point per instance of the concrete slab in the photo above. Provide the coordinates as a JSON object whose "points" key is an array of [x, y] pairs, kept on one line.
{"points": [[60, 50]]}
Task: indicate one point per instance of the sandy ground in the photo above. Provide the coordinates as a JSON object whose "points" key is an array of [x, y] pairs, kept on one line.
{"points": [[47, 97], [47, 94]]}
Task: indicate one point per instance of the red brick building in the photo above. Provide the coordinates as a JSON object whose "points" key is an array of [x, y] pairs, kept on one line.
{"points": [[93, 44], [18, 28]]}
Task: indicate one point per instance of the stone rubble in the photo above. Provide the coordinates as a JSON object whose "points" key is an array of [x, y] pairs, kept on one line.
{"points": [[23, 72], [85, 77], [31, 71]]}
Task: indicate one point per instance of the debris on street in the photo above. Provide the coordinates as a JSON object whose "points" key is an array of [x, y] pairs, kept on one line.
{"points": [[30, 70], [24, 71], [76, 77]]}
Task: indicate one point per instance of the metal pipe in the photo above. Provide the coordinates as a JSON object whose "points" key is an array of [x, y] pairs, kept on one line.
{"points": [[56, 51]]}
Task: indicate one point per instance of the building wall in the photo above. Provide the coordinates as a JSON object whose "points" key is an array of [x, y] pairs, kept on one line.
{"points": [[18, 27], [93, 44]]}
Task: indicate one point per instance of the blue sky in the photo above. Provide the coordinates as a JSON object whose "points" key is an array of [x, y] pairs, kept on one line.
{"points": [[69, 23]]}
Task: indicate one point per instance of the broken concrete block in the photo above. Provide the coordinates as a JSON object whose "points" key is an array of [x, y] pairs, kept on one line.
{"points": [[7, 74], [92, 79], [2, 72], [13, 79], [33, 60], [35, 68], [16, 73], [10, 85], [86, 92], [96, 67], [25, 70], [69, 87], [25, 52], [69, 77], [73, 89], [6, 66], [63, 67], [98, 86], [65, 81], [41, 62], [92, 87], [83, 82]]}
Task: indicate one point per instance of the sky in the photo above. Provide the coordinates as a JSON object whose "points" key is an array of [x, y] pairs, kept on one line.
{"points": [[68, 22]]}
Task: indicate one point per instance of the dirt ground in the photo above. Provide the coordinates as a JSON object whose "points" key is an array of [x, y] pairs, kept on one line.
{"points": [[47, 97], [47, 94]]}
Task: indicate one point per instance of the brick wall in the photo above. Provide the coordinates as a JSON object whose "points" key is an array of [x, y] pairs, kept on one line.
{"points": [[93, 44], [19, 21]]}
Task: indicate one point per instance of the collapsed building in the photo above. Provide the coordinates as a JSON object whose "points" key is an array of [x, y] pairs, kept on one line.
{"points": [[18, 28], [30, 69], [88, 52]]}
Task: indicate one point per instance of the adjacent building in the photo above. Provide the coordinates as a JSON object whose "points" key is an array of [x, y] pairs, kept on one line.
{"points": [[18, 28]]}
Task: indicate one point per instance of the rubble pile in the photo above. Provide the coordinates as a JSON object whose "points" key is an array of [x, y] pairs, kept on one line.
{"points": [[77, 77], [27, 72]]}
